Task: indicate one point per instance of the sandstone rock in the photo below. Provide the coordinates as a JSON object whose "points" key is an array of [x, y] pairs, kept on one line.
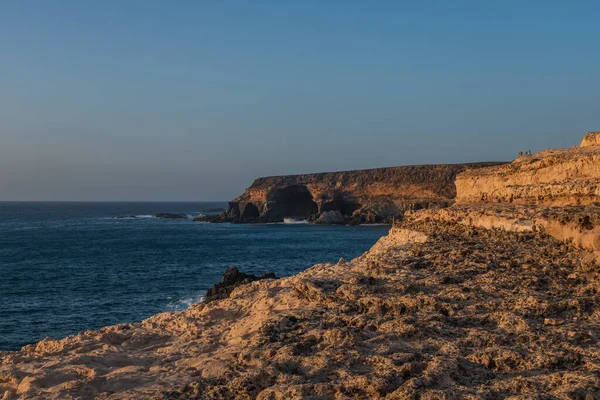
{"points": [[552, 177], [373, 195], [435, 310], [591, 139], [487, 298], [8, 395]]}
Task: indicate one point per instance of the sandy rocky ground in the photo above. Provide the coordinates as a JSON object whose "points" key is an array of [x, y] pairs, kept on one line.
{"points": [[435, 310]]}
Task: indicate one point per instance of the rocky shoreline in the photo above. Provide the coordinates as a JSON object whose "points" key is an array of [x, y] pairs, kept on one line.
{"points": [[495, 297], [369, 196], [434, 310]]}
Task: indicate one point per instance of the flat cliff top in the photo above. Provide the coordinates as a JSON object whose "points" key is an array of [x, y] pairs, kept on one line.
{"points": [[536, 161], [556, 177], [391, 175], [435, 310]]}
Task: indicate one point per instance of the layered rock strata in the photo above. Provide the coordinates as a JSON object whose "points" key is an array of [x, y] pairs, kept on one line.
{"points": [[495, 297], [577, 225], [557, 191], [365, 196], [555, 177]]}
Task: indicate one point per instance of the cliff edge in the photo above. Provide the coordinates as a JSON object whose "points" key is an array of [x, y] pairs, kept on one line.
{"points": [[435, 310], [556, 191], [495, 297], [362, 196], [555, 177]]}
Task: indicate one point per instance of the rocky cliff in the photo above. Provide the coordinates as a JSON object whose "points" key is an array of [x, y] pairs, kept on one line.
{"points": [[435, 310], [554, 191], [444, 307], [551, 177], [364, 196]]}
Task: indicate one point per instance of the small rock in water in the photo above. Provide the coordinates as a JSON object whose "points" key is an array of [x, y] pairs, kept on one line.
{"points": [[170, 216], [342, 261]]}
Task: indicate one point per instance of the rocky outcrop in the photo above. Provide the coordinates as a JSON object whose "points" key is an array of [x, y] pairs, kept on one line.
{"points": [[494, 297], [554, 191], [435, 310], [364, 196], [577, 225], [551, 177], [232, 278], [591, 139]]}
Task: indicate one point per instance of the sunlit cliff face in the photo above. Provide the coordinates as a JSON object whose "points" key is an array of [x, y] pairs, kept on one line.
{"points": [[591, 139]]}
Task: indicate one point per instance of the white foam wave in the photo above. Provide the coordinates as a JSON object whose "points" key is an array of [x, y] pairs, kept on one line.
{"points": [[294, 221], [183, 303]]}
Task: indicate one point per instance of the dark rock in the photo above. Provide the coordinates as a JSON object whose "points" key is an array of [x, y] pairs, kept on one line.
{"points": [[170, 216], [232, 278]]}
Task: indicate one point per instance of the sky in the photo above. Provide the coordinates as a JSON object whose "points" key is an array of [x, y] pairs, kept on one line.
{"points": [[192, 100]]}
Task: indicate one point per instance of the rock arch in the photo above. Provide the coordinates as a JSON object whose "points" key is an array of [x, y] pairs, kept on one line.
{"points": [[250, 212], [345, 207], [294, 201]]}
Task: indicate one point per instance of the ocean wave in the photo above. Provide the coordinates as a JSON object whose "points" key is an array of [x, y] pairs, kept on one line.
{"points": [[294, 221], [130, 217], [183, 303], [189, 215]]}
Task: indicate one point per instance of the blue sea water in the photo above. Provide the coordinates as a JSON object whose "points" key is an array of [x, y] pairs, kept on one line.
{"points": [[69, 267]]}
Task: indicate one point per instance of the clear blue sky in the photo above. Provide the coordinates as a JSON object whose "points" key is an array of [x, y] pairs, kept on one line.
{"points": [[160, 100]]}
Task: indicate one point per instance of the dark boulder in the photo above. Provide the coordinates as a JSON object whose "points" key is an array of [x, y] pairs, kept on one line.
{"points": [[232, 278]]}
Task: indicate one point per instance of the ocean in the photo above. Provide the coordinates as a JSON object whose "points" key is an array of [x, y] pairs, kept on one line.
{"points": [[66, 267]]}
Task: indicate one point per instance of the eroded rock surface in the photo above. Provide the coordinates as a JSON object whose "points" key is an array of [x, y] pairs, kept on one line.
{"points": [[435, 310], [591, 139], [365, 196], [496, 297], [556, 191], [578, 225], [555, 177]]}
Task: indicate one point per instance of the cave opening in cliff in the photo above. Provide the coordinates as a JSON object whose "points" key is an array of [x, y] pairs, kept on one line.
{"points": [[294, 201], [250, 212], [345, 207]]}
